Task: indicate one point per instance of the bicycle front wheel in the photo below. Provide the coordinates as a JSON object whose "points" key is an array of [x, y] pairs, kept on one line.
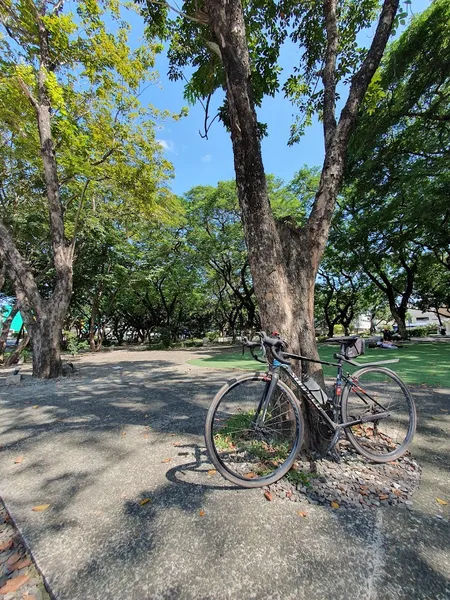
{"points": [[253, 439], [379, 398]]}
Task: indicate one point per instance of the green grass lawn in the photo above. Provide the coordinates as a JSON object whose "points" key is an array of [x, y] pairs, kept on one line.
{"points": [[419, 363]]}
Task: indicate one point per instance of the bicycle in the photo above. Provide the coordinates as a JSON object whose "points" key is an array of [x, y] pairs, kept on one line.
{"points": [[254, 427]]}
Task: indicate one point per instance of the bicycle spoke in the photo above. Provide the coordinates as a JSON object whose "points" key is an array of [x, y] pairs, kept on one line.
{"points": [[380, 393], [247, 445]]}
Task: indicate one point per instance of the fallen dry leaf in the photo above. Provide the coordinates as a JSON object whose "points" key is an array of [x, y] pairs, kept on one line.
{"points": [[124, 433], [383, 496], [40, 507], [6, 545], [441, 501], [166, 460], [144, 501], [268, 496], [35, 406], [212, 472], [12, 585], [334, 504], [250, 476], [18, 460], [21, 564], [146, 435], [201, 513], [177, 444], [301, 513]]}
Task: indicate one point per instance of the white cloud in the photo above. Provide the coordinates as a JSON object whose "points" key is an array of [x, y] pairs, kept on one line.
{"points": [[207, 158], [168, 145]]}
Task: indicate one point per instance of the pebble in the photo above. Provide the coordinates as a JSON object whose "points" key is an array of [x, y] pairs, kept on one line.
{"points": [[354, 482]]}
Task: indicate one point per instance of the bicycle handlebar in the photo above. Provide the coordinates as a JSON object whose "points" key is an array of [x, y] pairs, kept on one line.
{"points": [[274, 343], [277, 345], [251, 346], [278, 356]]}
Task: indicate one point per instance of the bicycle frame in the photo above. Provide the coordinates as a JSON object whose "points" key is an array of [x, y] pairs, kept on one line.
{"points": [[317, 397]]}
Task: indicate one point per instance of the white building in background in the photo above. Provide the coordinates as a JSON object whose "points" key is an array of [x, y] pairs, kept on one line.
{"points": [[362, 323], [415, 318], [418, 318]]}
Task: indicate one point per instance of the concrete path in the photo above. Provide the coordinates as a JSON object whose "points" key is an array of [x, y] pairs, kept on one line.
{"points": [[94, 446]]}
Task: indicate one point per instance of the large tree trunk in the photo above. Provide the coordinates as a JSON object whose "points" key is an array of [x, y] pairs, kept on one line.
{"points": [[284, 260], [400, 318], [283, 286], [46, 342]]}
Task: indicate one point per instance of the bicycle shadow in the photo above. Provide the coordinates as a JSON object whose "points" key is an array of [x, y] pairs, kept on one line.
{"points": [[199, 473]]}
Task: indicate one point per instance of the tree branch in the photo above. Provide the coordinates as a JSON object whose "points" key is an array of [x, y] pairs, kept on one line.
{"points": [[363, 77], [19, 272], [428, 115], [104, 157], [207, 126], [58, 7], [201, 21], [77, 216], [329, 72], [28, 94]]}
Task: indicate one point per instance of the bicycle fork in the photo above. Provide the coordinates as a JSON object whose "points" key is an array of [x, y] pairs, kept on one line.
{"points": [[261, 411]]}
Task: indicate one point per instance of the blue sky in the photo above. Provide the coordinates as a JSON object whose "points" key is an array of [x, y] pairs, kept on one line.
{"points": [[205, 162]]}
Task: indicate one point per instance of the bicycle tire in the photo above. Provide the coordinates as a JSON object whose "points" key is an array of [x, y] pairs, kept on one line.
{"points": [[275, 445], [386, 439]]}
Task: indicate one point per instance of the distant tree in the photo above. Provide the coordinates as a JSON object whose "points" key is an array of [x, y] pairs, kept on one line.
{"points": [[73, 132], [396, 202]]}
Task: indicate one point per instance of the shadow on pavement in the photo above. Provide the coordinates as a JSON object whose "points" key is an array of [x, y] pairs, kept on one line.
{"points": [[96, 446]]}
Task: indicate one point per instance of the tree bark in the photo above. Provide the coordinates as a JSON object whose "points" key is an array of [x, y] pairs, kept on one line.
{"points": [[399, 315], [46, 343]]}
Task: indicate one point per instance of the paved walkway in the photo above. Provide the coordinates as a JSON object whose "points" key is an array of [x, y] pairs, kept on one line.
{"points": [[95, 446]]}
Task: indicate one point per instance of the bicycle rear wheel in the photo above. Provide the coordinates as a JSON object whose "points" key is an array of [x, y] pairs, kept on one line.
{"points": [[378, 392], [253, 440]]}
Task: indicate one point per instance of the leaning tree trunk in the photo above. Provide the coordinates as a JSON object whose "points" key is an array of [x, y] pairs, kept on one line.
{"points": [[5, 331], [14, 357]]}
